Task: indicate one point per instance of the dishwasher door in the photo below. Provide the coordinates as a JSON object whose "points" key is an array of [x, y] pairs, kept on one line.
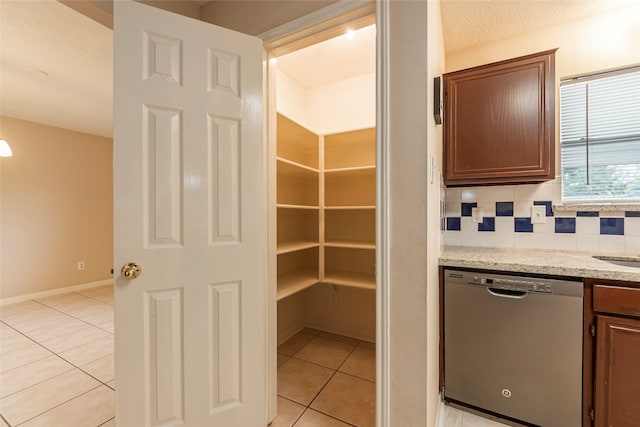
{"points": [[513, 346]]}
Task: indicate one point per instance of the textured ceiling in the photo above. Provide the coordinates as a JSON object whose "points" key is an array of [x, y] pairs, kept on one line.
{"points": [[336, 59], [468, 23], [56, 66]]}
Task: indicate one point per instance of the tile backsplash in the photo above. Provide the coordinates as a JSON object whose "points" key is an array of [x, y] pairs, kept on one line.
{"points": [[507, 221]]}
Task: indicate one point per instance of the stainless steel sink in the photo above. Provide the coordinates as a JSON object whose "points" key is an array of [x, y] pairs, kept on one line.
{"points": [[623, 261]]}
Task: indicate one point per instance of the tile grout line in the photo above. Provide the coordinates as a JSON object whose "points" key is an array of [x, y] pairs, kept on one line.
{"points": [[308, 408], [74, 367], [293, 356], [297, 403], [34, 341], [327, 367], [107, 421], [60, 404], [39, 382], [74, 317], [69, 315], [50, 350], [312, 409], [53, 353], [357, 377], [329, 380]]}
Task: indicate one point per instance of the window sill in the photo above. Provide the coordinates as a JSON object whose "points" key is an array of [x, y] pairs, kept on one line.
{"points": [[597, 207]]}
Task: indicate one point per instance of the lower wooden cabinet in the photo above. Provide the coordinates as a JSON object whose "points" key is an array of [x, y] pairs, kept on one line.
{"points": [[616, 326], [617, 380]]}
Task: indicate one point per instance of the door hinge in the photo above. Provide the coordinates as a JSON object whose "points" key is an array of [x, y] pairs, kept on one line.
{"points": [[592, 330], [592, 414]]}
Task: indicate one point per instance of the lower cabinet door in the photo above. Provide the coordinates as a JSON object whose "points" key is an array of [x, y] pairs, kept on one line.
{"points": [[617, 381]]}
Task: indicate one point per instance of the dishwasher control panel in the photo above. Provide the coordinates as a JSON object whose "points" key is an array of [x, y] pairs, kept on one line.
{"points": [[508, 282], [514, 284]]}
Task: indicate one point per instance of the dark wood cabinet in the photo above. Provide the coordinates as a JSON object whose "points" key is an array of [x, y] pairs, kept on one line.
{"points": [[617, 381], [616, 325], [499, 122]]}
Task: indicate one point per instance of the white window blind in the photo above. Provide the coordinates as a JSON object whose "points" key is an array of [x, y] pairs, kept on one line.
{"points": [[600, 137]]}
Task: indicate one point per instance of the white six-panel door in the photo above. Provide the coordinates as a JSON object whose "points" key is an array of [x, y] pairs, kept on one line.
{"points": [[189, 209]]}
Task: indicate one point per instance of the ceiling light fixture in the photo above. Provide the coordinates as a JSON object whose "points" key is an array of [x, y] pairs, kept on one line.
{"points": [[273, 61], [5, 150], [350, 34]]}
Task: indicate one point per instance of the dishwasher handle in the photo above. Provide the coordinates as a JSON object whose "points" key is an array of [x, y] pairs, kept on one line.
{"points": [[507, 293]]}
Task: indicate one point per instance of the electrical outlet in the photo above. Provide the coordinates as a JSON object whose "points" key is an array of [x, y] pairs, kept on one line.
{"points": [[538, 214], [80, 265], [477, 215]]}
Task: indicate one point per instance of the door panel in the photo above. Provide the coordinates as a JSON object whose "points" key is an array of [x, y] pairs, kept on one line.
{"points": [[163, 329], [617, 379], [189, 208]]}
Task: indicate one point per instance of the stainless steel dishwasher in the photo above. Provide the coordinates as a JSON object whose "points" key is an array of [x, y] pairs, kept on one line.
{"points": [[513, 347]]}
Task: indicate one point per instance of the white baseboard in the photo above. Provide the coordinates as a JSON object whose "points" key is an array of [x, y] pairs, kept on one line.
{"points": [[344, 332], [283, 336], [290, 333], [51, 292]]}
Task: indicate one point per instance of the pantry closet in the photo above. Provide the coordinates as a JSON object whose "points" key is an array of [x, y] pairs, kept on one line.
{"points": [[325, 201]]}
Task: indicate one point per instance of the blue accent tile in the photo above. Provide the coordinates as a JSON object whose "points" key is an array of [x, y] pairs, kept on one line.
{"points": [[504, 208], [588, 214], [632, 214], [612, 226], [565, 225], [465, 209], [523, 225], [453, 223], [549, 206], [488, 224]]}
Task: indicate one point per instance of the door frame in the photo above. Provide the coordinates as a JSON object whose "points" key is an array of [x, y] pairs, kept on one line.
{"points": [[288, 37]]}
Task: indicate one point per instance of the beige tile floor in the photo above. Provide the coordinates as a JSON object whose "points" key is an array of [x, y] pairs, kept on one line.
{"points": [[57, 357], [56, 360], [325, 380], [452, 417], [57, 368]]}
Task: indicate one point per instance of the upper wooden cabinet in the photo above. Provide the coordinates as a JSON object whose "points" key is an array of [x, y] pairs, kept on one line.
{"points": [[499, 122]]}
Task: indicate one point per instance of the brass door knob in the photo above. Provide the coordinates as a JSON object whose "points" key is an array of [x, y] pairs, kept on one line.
{"points": [[130, 271]]}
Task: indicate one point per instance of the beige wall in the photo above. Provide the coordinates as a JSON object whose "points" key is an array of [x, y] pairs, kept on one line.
{"points": [[334, 107], [435, 68], [409, 266], [56, 208]]}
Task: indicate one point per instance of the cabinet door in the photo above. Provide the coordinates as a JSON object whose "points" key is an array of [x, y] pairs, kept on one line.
{"points": [[617, 382], [499, 124]]}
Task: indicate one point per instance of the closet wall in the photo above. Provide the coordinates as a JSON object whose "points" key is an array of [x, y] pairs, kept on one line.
{"points": [[329, 129]]}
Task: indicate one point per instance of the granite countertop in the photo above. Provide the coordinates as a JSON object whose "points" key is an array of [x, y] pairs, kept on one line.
{"points": [[539, 261]]}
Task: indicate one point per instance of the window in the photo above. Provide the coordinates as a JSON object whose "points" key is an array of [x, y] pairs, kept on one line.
{"points": [[600, 137]]}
